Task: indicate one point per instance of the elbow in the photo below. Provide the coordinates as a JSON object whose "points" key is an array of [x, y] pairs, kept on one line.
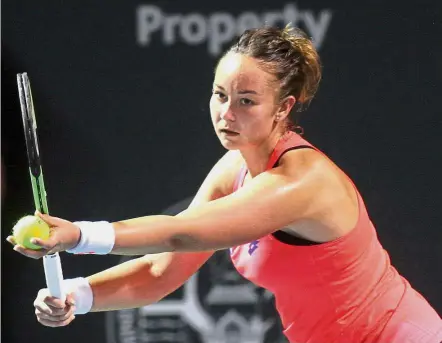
{"points": [[186, 243], [148, 287], [181, 242]]}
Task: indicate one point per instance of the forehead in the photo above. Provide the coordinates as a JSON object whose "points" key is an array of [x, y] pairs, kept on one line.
{"points": [[241, 72]]}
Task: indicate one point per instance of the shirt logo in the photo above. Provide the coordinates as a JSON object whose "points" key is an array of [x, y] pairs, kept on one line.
{"points": [[253, 246]]}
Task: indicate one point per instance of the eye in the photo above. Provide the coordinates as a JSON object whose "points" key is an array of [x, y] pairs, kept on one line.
{"points": [[246, 102], [219, 95]]}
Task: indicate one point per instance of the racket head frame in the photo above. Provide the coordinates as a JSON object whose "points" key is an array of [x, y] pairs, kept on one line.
{"points": [[32, 145]]}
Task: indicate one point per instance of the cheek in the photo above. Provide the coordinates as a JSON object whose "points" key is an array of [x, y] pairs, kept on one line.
{"points": [[260, 116], [260, 121]]}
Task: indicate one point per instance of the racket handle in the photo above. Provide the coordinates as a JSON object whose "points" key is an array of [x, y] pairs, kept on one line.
{"points": [[54, 276]]}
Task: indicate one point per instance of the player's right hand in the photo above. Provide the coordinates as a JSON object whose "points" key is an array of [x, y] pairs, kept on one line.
{"points": [[63, 236], [53, 312]]}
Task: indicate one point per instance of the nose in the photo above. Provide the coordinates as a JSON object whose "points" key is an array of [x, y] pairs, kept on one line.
{"points": [[226, 112]]}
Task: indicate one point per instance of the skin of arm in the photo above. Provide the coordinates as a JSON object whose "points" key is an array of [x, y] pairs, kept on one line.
{"points": [[297, 189], [149, 278]]}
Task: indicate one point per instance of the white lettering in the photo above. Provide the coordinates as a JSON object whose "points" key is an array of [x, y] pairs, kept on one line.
{"points": [[292, 15], [194, 29], [317, 28], [149, 19], [169, 28], [219, 28]]}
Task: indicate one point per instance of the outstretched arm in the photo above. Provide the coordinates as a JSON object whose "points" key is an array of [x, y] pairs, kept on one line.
{"points": [[297, 189], [267, 203], [301, 188]]}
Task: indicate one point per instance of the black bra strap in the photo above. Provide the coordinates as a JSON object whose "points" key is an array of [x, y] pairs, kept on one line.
{"points": [[293, 148], [283, 236], [289, 239]]}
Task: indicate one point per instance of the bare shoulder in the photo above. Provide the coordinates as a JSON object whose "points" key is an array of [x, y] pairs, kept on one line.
{"points": [[310, 162], [301, 163], [333, 197], [327, 179]]}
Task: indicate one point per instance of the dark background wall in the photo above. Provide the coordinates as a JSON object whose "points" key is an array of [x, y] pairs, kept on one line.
{"points": [[125, 131]]}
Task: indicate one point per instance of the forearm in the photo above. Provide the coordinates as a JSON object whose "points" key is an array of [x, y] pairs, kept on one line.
{"points": [[144, 235], [143, 281], [156, 234], [193, 230], [128, 285]]}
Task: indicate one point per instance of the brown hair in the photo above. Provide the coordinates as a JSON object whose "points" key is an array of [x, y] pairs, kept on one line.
{"points": [[288, 54]]}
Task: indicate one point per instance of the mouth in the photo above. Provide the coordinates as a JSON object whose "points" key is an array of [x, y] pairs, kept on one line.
{"points": [[228, 132]]}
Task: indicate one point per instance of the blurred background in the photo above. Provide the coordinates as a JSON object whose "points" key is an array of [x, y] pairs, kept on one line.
{"points": [[121, 91]]}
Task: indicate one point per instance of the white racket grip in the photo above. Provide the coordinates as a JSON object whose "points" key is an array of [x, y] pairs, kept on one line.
{"points": [[54, 276]]}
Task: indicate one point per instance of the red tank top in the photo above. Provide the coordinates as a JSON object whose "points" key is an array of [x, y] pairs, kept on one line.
{"points": [[340, 291]]}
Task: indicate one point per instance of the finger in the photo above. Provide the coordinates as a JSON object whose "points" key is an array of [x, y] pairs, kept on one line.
{"points": [[55, 318], [46, 244], [36, 254], [11, 240], [70, 299], [49, 304], [49, 323], [51, 221], [43, 307], [54, 302]]}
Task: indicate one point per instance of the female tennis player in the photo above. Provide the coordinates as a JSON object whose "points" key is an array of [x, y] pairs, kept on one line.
{"points": [[294, 222]]}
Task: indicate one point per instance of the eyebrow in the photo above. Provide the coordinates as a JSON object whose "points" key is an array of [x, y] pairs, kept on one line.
{"points": [[242, 91]]}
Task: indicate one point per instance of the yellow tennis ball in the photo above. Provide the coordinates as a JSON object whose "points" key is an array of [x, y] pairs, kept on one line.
{"points": [[29, 227]]}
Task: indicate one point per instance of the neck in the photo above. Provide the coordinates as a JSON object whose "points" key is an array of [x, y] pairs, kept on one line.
{"points": [[257, 157]]}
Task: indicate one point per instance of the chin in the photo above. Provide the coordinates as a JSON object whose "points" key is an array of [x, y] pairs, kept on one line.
{"points": [[228, 144]]}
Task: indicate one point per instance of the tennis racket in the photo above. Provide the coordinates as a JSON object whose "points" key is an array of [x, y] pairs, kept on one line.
{"points": [[51, 263]]}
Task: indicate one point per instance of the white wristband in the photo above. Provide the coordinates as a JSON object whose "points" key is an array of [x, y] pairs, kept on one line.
{"points": [[82, 292], [96, 238]]}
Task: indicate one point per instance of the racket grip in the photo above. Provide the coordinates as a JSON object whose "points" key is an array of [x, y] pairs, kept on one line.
{"points": [[54, 276]]}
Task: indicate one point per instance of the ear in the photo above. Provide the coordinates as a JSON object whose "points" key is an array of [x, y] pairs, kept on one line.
{"points": [[285, 107]]}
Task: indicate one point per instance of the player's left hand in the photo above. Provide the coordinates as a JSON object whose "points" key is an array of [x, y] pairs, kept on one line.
{"points": [[64, 235]]}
